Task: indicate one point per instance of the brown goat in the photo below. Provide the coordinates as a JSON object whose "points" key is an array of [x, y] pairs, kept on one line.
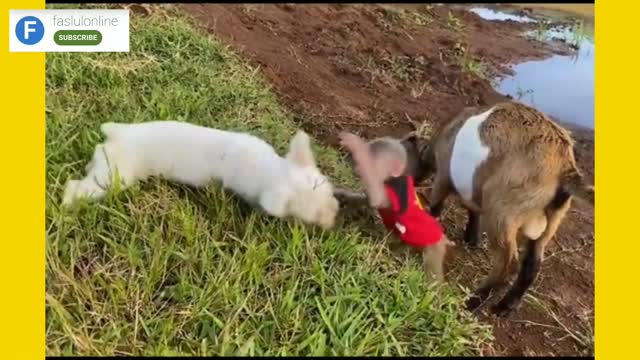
{"points": [[515, 171]]}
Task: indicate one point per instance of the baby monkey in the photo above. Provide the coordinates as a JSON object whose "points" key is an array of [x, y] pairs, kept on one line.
{"points": [[382, 167]]}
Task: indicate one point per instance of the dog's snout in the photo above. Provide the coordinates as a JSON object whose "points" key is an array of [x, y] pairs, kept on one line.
{"points": [[326, 218], [327, 223]]}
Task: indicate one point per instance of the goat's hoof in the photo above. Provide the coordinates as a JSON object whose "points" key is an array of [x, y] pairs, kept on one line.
{"points": [[503, 309], [473, 303], [471, 240], [435, 211], [472, 245]]}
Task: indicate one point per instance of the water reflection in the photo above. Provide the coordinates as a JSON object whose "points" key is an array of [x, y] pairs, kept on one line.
{"points": [[561, 86], [489, 14]]}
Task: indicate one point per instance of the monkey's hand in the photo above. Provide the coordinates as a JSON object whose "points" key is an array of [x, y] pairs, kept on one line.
{"points": [[354, 144], [359, 151]]}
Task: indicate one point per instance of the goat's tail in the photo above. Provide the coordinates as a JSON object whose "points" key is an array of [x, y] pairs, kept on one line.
{"points": [[575, 185]]}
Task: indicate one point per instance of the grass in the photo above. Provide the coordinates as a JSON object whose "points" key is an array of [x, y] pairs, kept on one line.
{"points": [[574, 36], [542, 29], [454, 23], [420, 18], [392, 15], [578, 34], [460, 51], [161, 269], [403, 68], [472, 66], [390, 70], [469, 64]]}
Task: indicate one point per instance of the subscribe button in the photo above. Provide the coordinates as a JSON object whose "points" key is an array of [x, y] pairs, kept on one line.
{"points": [[77, 37]]}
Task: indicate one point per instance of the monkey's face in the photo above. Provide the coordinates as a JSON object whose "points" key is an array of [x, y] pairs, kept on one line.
{"points": [[385, 165]]}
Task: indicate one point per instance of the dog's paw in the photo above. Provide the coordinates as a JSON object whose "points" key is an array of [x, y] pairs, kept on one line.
{"points": [[70, 192]]}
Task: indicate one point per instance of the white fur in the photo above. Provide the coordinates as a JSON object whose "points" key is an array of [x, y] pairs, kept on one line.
{"points": [[467, 155], [196, 155], [534, 228]]}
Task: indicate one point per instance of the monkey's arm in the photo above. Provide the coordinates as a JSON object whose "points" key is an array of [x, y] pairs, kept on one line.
{"points": [[373, 186]]}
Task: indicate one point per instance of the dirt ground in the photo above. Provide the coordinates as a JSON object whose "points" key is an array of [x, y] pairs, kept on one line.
{"points": [[378, 70]]}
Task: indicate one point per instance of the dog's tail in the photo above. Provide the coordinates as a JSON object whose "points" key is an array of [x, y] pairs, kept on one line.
{"points": [[111, 129]]}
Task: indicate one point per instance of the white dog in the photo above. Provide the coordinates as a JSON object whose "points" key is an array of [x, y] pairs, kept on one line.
{"points": [[196, 155]]}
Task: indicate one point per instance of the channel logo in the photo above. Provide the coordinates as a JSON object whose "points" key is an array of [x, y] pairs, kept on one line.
{"points": [[69, 30], [29, 30]]}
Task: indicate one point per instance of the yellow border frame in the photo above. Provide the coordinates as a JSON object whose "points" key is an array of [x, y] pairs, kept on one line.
{"points": [[22, 146], [22, 257], [617, 255]]}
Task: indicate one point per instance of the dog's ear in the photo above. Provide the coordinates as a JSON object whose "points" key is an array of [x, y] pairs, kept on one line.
{"points": [[300, 150]]}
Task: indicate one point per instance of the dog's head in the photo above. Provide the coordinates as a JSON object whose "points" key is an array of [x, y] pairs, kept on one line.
{"points": [[311, 198]]}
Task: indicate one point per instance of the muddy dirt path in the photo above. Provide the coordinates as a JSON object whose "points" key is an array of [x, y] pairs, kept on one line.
{"points": [[379, 70]]}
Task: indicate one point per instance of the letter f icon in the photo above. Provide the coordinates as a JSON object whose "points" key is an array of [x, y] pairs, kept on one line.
{"points": [[28, 29]]}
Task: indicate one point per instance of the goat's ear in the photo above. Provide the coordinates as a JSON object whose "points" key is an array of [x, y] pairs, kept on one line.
{"points": [[411, 143], [411, 137], [300, 150]]}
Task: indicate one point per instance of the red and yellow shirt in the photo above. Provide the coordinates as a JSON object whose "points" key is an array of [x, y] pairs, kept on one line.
{"points": [[407, 217]]}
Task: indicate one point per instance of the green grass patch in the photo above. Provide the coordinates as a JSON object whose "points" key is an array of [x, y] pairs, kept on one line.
{"points": [[162, 269], [454, 23], [404, 16]]}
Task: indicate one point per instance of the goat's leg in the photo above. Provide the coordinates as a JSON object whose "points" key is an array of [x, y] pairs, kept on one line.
{"points": [[441, 189], [471, 232], [502, 239], [528, 272], [532, 261]]}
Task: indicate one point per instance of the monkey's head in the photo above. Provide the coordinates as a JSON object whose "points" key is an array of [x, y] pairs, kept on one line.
{"points": [[389, 157]]}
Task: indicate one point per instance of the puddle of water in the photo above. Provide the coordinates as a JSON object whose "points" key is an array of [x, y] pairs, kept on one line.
{"points": [[560, 86], [489, 14]]}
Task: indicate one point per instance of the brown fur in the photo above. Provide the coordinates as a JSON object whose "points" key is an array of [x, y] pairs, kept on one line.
{"points": [[530, 173]]}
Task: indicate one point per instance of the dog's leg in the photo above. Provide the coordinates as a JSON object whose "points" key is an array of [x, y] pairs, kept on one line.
{"points": [[98, 178]]}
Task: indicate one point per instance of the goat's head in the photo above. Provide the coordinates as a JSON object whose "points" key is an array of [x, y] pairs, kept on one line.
{"points": [[420, 159]]}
